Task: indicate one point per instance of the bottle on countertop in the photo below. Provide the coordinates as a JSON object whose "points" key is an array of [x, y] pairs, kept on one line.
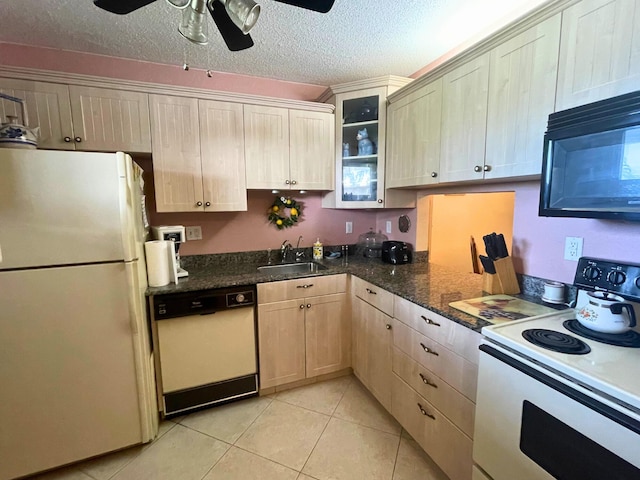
{"points": [[317, 250]]}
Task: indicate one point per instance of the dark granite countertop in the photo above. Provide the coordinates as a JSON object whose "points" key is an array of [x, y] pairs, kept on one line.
{"points": [[428, 285]]}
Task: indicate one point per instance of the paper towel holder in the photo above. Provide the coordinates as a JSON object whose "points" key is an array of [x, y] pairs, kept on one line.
{"points": [[175, 233]]}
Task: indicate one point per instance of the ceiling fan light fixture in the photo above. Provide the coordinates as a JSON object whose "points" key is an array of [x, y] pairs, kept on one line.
{"points": [[244, 13], [194, 23], [180, 4]]}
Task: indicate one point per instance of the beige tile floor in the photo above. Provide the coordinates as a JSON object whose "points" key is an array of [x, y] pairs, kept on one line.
{"points": [[334, 430]]}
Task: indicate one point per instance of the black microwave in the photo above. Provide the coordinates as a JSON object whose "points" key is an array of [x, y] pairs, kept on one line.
{"points": [[591, 161]]}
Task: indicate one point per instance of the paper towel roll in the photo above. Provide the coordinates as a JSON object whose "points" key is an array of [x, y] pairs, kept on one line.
{"points": [[158, 270]]}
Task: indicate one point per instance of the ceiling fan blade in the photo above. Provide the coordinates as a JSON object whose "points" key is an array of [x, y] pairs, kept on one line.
{"points": [[232, 35], [322, 6], [121, 7]]}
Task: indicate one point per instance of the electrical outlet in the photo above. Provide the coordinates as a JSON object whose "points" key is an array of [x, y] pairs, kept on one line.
{"points": [[388, 226], [349, 227], [572, 248], [194, 233]]}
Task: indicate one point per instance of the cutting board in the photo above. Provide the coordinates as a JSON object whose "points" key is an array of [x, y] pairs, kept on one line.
{"points": [[500, 308]]}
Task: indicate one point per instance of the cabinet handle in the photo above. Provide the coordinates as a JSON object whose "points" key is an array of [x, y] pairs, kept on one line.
{"points": [[308, 305], [428, 350], [429, 321], [78, 139], [487, 168], [198, 204], [387, 326], [306, 285], [287, 182], [207, 204], [379, 200], [301, 306], [371, 291], [425, 413], [477, 168], [293, 182], [426, 381], [434, 174], [67, 139]]}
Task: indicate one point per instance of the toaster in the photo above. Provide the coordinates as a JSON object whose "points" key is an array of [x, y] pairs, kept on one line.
{"points": [[396, 252]]}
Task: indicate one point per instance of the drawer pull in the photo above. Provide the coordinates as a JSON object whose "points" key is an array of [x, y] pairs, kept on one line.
{"points": [[428, 350], [429, 321], [426, 381], [371, 291], [425, 413], [309, 285]]}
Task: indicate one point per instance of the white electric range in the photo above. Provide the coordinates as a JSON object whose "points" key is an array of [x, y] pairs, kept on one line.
{"points": [[542, 413]]}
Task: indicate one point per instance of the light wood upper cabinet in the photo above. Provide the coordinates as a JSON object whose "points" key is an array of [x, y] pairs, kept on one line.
{"points": [[198, 155], [81, 118], [413, 138], [599, 51], [177, 168], [523, 73], [311, 139], [288, 149], [48, 107], [464, 120], [222, 154], [110, 120], [266, 133]]}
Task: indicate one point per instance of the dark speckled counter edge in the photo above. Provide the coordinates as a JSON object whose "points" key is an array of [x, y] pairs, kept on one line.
{"points": [[427, 285]]}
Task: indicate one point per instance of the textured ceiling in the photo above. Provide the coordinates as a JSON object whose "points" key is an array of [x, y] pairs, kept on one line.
{"points": [[357, 39]]}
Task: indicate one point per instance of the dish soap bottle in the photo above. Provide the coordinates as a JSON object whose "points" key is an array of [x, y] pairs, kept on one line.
{"points": [[317, 250]]}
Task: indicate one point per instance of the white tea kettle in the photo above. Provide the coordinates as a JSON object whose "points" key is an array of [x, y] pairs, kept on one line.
{"points": [[14, 135], [606, 313]]}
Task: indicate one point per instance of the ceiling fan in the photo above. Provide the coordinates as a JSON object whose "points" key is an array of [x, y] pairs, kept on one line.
{"points": [[234, 18]]}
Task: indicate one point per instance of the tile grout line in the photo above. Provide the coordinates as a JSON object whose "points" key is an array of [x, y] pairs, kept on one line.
{"points": [[395, 463]]}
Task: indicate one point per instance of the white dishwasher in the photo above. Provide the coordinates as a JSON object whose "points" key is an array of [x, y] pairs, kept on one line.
{"points": [[205, 345]]}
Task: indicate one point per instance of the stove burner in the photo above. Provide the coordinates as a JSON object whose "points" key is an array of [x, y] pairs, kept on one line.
{"points": [[556, 341], [627, 339]]}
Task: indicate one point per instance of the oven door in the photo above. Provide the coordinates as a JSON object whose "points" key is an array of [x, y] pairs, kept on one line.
{"points": [[535, 425]]}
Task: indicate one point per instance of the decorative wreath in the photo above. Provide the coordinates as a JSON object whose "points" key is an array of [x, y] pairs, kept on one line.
{"points": [[277, 215]]}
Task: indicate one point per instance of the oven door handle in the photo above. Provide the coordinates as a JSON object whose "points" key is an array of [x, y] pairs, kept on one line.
{"points": [[602, 409]]}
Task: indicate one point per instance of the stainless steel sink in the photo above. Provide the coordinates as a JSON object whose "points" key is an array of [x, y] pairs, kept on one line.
{"points": [[292, 268]]}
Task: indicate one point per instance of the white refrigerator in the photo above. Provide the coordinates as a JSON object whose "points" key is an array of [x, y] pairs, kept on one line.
{"points": [[76, 366]]}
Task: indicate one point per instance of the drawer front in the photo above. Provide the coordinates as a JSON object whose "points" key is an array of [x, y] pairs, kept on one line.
{"points": [[459, 339], [456, 407], [376, 296], [301, 288], [447, 445], [452, 368]]}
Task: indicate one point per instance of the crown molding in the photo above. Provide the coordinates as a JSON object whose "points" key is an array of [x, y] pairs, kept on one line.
{"points": [[158, 89], [392, 81]]}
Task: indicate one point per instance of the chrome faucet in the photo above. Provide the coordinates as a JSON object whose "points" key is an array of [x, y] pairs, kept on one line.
{"points": [[284, 248], [299, 253]]}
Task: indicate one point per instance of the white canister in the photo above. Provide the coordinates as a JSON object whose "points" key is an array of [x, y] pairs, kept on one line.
{"points": [[553, 292]]}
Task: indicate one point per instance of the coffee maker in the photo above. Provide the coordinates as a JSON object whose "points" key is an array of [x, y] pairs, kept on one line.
{"points": [[176, 234]]}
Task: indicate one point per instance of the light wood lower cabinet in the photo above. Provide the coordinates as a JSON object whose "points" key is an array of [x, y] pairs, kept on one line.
{"points": [[445, 443], [306, 336]]}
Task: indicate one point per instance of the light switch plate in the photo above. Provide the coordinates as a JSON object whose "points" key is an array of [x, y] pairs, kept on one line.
{"points": [[349, 227], [194, 233], [388, 226]]}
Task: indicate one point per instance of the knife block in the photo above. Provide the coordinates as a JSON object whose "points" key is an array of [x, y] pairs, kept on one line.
{"points": [[504, 280]]}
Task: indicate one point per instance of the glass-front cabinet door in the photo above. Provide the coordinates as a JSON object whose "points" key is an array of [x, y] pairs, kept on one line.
{"points": [[360, 144]]}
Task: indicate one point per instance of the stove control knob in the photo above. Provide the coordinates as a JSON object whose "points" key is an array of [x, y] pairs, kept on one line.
{"points": [[591, 273], [240, 298], [638, 282], [617, 278]]}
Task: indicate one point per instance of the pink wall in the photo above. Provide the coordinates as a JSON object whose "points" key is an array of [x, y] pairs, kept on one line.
{"points": [[112, 67]]}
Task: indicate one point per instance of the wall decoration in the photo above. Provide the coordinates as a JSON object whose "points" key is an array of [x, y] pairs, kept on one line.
{"points": [[278, 215]]}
